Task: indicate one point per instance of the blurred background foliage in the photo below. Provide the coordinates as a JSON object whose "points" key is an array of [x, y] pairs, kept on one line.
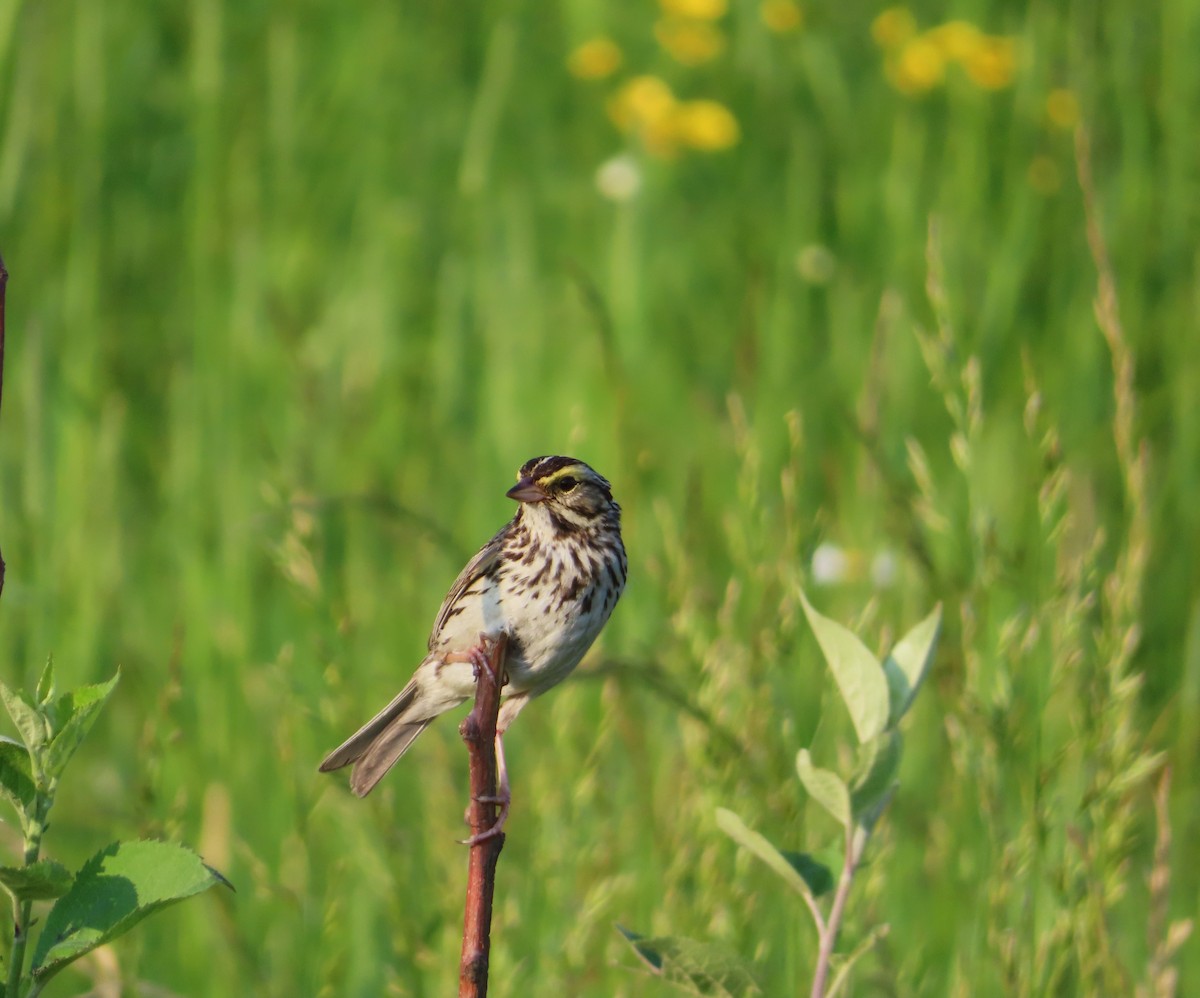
{"points": [[296, 287]]}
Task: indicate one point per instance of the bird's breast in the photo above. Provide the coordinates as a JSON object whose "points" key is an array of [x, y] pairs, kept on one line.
{"points": [[552, 609]]}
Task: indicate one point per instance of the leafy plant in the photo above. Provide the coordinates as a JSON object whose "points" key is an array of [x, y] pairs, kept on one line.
{"points": [[115, 889], [877, 695]]}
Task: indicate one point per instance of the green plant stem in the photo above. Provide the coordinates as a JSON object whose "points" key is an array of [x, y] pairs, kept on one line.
{"points": [[23, 910], [856, 841]]}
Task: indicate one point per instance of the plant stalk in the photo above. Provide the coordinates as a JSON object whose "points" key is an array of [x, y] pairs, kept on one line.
{"points": [[479, 732], [23, 910], [856, 839], [3, 289]]}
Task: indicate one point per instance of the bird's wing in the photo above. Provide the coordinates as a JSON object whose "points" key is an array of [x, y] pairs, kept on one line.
{"points": [[482, 564]]}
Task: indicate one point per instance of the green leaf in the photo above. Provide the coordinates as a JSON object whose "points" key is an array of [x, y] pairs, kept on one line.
{"points": [[860, 678], [815, 873], [874, 775], [74, 714], [45, 686], [28, 719], [750, 840], [871, 812], [908, 662], [40, 881], [115, 890], [16, 777], [826, 788], [698, 968]]}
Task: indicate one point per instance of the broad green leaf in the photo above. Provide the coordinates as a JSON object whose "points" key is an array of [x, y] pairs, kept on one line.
{"points": [[28, 719], [878, 761], [860, 678], [826, 787], [908, 662], [815, 873], [75, 712], [697, 968], [40, 881], [45, 686], [16, 776], [750, 840], [115, 890]]}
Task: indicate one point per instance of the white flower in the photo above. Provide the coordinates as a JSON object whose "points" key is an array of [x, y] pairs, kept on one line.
{"points": [[829, 565], [619, 178]]}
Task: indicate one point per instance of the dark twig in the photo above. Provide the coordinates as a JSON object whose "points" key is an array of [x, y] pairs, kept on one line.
{"points": [[3, 288], [479, 732]]}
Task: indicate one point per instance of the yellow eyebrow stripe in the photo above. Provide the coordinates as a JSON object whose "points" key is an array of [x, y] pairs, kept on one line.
{"points": [[571, 470]]}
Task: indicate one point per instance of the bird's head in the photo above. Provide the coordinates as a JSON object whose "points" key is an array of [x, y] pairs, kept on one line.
{"points": [[567, 490]]}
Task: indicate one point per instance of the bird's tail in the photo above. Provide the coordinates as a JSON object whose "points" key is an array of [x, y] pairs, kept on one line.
{"points": [[376, 746]]}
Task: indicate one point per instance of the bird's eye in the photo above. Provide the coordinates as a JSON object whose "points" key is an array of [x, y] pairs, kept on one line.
{"points": [[566, 484]]}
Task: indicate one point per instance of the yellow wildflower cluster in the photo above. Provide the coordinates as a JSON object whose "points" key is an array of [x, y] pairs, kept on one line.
{"points": [[915, 62], [688, 32], [646, 107], [690, 43]]}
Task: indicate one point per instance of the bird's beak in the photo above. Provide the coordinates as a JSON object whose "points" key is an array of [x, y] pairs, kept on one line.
{"points": [[527, 490]]}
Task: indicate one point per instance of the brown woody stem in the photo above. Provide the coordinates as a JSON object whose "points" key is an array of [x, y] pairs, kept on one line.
{"points": [[479, 732]]}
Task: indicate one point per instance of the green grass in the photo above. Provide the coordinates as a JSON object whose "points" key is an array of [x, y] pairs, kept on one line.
{"points": [[296, 288]]}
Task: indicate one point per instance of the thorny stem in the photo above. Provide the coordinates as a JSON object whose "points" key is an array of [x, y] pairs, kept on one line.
{"points": [[479, 732]]}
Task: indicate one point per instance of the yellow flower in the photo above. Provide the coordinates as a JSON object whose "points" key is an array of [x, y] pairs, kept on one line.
{"points": [[1044, 175], [594, 59], [646, 107], [893, 27], [706, 125], [993, 64], [957, 39], [781, 15], [697, 10], [1062, 108], [919, 67], [691, 43], [642, 100]]}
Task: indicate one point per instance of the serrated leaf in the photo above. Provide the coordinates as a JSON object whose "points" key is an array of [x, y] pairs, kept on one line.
{"points": [[115, 890], [860, 679], [758, 845], [40, 881], [878, 761], [29, 721], [826, 787], [698, 968], [45, 686], [815, 873], [906, 666], [75, 712], [16, 777]]}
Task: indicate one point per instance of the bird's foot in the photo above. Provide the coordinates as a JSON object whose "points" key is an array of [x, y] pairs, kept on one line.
{"points": [[480, 656], [503, 797], [498, 825]]}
